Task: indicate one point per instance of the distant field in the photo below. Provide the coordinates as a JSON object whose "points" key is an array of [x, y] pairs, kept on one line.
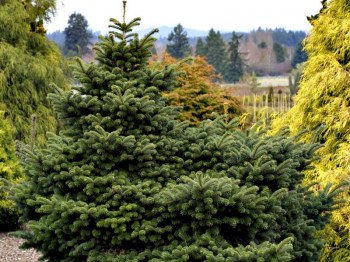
{"points": [[273, 81], [266, 81], [279, 84]]}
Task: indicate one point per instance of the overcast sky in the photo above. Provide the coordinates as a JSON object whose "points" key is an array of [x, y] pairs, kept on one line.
{"points": [[224, 15]]}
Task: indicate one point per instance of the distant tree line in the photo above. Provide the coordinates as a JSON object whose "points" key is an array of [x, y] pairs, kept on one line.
{"points": [[220, 50], [224, 57], [288, 38], [281, 36]]}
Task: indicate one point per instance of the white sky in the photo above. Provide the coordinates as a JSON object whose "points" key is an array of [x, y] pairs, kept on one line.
{"points": [[224, 15]]}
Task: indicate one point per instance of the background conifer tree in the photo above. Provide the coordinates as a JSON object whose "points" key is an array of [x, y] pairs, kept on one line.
{"points": [[300, 55], [77, 35], [126, 181], [200, 47], [280, 52], [235, 67], [29, 66], [179, 46], [322, 105], [216, 51]]}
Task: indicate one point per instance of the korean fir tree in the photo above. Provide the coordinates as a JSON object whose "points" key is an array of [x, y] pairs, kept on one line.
{"points": [[322, 104], [125, 181]]}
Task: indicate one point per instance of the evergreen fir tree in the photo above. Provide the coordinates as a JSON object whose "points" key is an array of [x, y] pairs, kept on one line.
{"points": [[179, 46], [279, 52], [216, 51], [322, 105], [200, 47], [300, 55], [126, 181], [77, 34], [29, 67], [235, 66]]}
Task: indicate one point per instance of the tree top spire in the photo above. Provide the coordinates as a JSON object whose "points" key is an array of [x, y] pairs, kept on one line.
{"points": [[124, 10]]}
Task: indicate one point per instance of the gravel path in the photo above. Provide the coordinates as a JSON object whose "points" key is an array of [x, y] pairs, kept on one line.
{"points": [[10, 251]]}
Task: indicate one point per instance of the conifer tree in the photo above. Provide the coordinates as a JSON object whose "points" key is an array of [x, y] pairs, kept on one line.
{"points": [[322, 106], [235, 67], [125, 181], [29, 67], [179, 46], [280, 52], [216, 51], [200, 47], [77, 35], [300, 55]]}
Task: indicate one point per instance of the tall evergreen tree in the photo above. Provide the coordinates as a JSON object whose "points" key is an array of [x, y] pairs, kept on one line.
{"points": [[235, 67], [29, 66], [322, 105], [200, 47], [216, 51], [300, 55], [279, 52], [77, 34], [126, 181], [179, 46]]}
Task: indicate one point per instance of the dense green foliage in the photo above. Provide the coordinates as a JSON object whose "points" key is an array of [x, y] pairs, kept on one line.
{"points": [[10, 173], [77, 35], [235, 66], [126, 181], [29, 65], [179, 46], [38, 11], [322, 105]]}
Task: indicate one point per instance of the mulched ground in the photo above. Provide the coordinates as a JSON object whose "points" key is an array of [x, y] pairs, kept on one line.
{"points": [[10, 251]]}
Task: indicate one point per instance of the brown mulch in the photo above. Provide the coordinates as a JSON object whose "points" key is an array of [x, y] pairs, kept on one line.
{"points": [[10, 251]]}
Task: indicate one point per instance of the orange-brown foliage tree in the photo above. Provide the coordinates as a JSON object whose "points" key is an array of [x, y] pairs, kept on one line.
{"points": [[198, 94]]}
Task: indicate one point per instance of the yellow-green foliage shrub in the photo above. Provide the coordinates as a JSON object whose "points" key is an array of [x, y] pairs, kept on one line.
{"points": [[30, 67], [323, 105], [9, 173]]}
